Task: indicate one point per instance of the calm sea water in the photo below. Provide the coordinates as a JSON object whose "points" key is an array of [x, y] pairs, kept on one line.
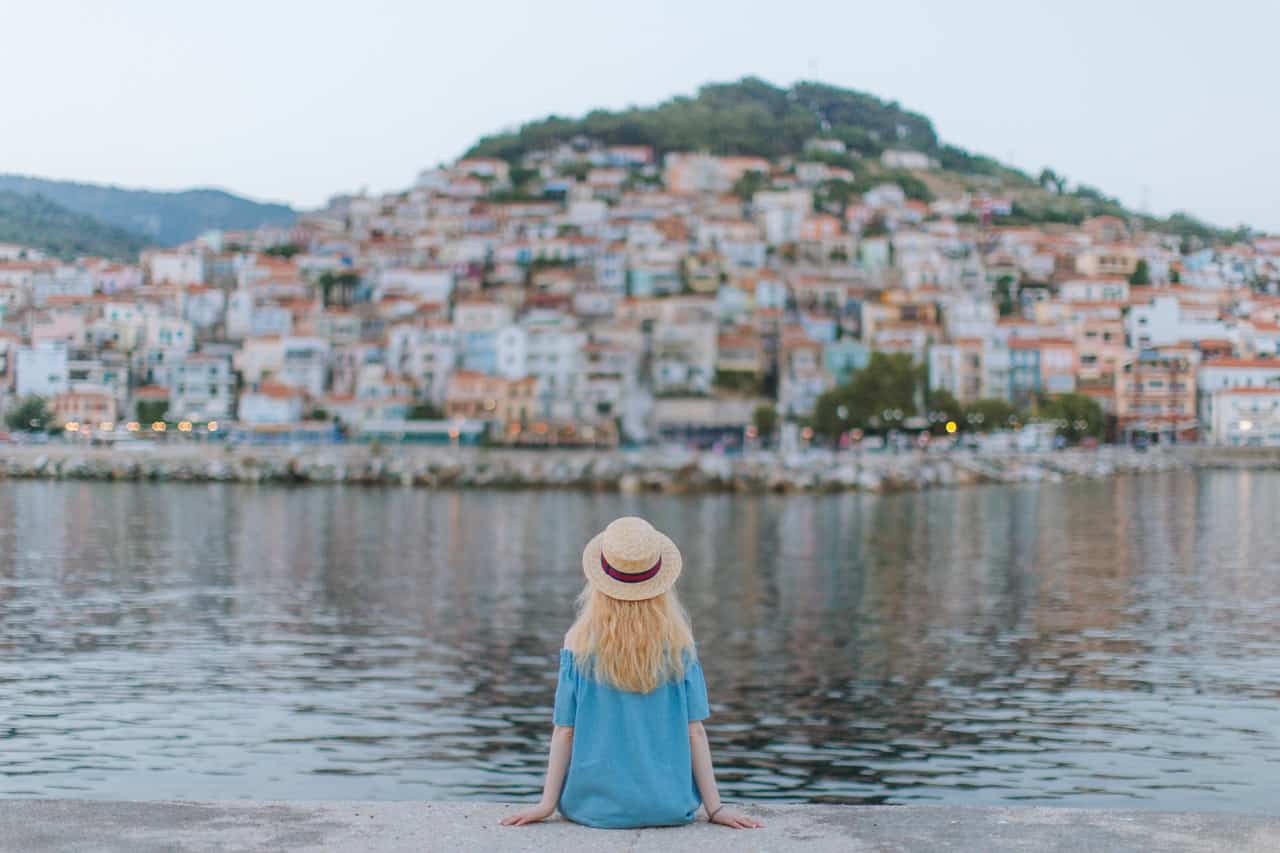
{"points": [[1099, 644]]}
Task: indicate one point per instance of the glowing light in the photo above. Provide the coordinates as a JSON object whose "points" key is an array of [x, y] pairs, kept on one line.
{"points": [[184, 426], [212, 426], [159, 426], [1245, 426], [72, 426], [106, 426], [951, 427], [133, 426]]}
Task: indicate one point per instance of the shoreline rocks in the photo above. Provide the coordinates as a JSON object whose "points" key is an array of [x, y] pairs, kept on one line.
{"points": [[674, 471]]}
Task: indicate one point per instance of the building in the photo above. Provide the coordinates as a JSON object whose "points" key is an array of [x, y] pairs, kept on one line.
{"points": [[1245, 417], [85, 404], [202, 388], [42, 370], [1229, 374], [1156, 398], [272, 403]]}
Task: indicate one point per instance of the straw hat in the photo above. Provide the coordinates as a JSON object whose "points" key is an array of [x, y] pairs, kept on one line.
{"points": [[631, 561]]}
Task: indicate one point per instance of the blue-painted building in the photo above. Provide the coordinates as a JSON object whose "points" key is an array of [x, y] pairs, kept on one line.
{"points": [[480, 351], [1024, 374], [843, 357]]}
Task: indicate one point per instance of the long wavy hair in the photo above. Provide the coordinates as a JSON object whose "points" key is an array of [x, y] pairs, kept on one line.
{"points": [[633, 645]]}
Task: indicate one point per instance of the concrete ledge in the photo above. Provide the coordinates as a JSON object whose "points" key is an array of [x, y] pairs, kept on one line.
{"points": [[352, 827]]}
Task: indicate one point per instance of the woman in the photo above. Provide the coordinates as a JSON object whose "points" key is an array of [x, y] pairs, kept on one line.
{"points": [[628, 749]]}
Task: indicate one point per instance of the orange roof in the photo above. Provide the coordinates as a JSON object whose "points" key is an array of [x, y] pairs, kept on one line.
{"points": [[279, 391], [1274, 391], [1243, 363], [152, 392]]}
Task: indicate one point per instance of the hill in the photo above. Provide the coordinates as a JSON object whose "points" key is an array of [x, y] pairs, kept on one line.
{"points": [[754, 117], [37, 222], [165, 218]]}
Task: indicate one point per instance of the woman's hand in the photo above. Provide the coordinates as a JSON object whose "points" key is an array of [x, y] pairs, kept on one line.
{"points": [[533, 814], [736, 820]]}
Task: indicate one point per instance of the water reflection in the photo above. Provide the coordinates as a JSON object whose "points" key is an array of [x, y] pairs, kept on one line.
{"points": [[1108, 643]]}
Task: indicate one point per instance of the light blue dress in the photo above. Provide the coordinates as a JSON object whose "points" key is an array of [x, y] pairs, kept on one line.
{"points": [[630, 765]]}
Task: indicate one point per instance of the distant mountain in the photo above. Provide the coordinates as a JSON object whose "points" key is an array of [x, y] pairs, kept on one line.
{"points": [[164, 218], [37, 222], [754, 117]]}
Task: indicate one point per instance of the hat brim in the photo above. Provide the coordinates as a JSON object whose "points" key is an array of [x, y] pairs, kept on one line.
{"points": [[672, 563]]}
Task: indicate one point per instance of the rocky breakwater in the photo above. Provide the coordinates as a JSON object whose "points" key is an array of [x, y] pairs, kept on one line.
{"points": [[649, 470]]}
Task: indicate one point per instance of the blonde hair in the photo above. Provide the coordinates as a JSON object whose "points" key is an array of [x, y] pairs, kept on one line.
{"points": [[633, 645]]}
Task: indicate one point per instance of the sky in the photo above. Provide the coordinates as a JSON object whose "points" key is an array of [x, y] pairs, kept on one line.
{"points": [[1167, 105]]}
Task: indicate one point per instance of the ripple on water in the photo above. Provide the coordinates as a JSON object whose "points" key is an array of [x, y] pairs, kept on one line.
{"points": [[1094, 644]]}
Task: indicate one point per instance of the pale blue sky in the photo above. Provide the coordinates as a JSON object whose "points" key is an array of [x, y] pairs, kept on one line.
{"points": [[1170, 103]]}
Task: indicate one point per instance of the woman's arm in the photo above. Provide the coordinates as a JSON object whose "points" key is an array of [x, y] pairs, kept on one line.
{"points": [[557, 767], [705, 777]]}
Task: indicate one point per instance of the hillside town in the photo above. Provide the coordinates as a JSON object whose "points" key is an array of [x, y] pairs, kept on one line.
{"points": [[593, 295]]}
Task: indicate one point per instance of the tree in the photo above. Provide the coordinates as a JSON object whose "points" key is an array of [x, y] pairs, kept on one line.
{"points": [[425, 411], [765, 419], [284, 250], [1141, 273], [150, 411], [345, 283], [1052, 181], [1077, 416], [887, 384], [988, 414], [30, 414], [1005, 296], [942, 406], [834, 196], [749, 184]]}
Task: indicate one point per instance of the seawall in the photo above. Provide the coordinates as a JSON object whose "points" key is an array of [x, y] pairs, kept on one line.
{"points": [[666, 471], [390, 827]]}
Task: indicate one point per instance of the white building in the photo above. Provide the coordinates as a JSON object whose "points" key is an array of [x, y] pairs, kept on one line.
{"points": [[1219, 375], [424, 285], [272, 404], [1248, 417], [1099, 289], [426, 355], [42, 370], [202, 388], [781, 213], [300, 362], [180, 268], [1167, 321], [905, 159]]}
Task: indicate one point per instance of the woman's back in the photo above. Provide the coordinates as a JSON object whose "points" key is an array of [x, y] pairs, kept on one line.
{"points": [[628, 748], [631, 763]]}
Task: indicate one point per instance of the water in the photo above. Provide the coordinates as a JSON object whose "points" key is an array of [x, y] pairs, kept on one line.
{"points": [[1112, 643]]}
